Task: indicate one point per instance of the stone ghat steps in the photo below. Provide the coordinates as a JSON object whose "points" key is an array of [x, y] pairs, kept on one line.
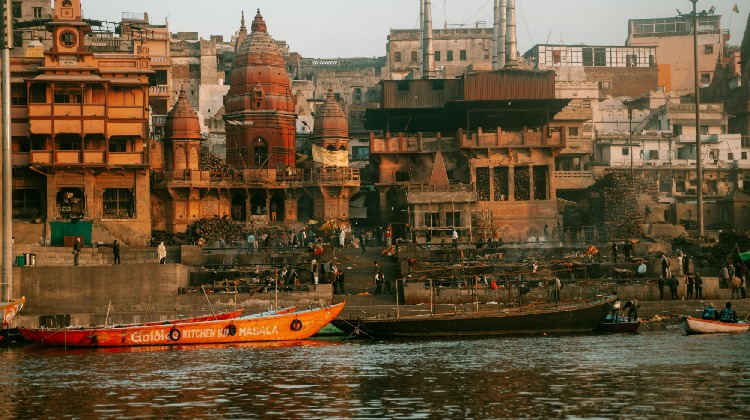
{"points": [[51, 256], [359, 269]]}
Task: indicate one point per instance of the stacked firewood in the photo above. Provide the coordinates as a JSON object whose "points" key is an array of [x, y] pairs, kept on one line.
{"points": [[217, 228], [208, 161], [614, 205]]}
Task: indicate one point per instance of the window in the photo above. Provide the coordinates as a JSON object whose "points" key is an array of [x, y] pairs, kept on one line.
{"points": [[453, 219], [704, 130], [555, 56], [651, 60], [397, 56], [708, 49], [402, 176], [730, 156], [713, 154], [18, 94], [744, 155], [462, 55], [360, 153], [68, 96], [449, 55], [631, 60], [432, 220], [260, 152], [604, 85], [37, 12], [118, 144], [26, 204], [573, 131], [600, 57], [118, 203], [414, 58], [653, 154], [626, 151], [588, 57], [677, 130], [437, 55], [705, 78], [357, 95]]}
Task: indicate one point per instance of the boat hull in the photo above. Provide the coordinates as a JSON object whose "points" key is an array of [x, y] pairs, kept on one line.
{"points": [[706, 326], [277, 327], [561, 319], [618, 327], [10, 309], [84, 337]]}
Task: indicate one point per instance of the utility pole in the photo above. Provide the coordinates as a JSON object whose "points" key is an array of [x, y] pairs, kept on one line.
{"points": [[698, 154], [7, 219]]}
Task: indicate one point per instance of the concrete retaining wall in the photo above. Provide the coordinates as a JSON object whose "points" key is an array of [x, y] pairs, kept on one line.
{"points": [[137, 293]]}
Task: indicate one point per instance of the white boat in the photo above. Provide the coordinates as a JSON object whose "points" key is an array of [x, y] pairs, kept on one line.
{"points": [[708, 326]]}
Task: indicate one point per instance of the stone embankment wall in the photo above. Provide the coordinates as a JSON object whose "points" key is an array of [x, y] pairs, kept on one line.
{"points": [[91, 295]]}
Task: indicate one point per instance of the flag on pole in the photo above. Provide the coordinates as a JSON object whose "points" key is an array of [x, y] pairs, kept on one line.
{"points": [[735, 9]]}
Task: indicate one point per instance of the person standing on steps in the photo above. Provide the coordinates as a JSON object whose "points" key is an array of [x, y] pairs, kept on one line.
{"points": [[116, 252], [76, 250], [698, 286], [161, 252]]}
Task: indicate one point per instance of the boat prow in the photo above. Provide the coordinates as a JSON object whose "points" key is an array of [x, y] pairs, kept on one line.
{"points": [[693, 325], [11, 309]]}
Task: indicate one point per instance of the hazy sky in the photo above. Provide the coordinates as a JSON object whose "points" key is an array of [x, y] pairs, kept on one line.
{"points": [[351, 28]]}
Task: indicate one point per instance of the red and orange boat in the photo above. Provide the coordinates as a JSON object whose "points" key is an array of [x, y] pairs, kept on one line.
{"points": [[277, 327], [10, 309], [83, 336]]}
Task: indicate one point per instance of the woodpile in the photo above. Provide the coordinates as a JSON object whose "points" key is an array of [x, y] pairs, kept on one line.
{"points": [[208, 161], [614, 206]]}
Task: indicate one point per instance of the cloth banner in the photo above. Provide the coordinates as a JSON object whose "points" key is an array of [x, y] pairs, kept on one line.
{"points": [[330, 158]]}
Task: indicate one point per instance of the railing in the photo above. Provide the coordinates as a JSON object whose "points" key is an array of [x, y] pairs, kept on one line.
{"points": [[296, 175], [159, 90], [65, 157], [427, 188]]}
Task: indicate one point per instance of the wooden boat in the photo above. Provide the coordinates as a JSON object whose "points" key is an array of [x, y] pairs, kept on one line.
{"points": [[249, 328], [277, 327], [623, 325], [578, 317], [83, 337], [693, 325], [10, 309]]}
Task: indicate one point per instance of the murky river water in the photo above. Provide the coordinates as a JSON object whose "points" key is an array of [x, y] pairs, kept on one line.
{"points": [[660, 374]]}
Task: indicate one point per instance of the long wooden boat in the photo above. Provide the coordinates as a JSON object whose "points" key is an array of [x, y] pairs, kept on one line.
{"points": [[250, 328], [579, 317], [693, 325], [623, 325], [10, 309], [84, 336], [277, 327]]}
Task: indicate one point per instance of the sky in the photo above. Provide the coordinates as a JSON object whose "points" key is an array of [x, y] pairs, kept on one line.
{"points": [[359, 28]]}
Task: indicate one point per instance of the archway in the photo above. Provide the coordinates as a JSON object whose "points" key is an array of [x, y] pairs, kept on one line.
{"points": [[304, 208], [277, 207], [238, 208], [258, 202]]}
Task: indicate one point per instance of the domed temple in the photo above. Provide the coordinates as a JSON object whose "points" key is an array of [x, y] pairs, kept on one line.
{"points": [[261, 181]]}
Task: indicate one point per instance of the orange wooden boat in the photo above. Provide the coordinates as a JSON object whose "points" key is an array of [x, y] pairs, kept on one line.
{"points": [[277, 327], [10, 309], [83, 337]]}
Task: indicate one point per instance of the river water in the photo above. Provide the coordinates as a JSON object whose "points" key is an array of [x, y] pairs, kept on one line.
{"points": [[655, 374]]}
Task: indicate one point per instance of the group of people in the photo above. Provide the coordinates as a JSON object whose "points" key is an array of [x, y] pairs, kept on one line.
{"points": [[631, 305], [734, 275], [726, 315], [627, 249]]}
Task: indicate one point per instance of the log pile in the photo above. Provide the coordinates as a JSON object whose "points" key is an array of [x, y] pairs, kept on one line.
{"points": [[614, 206], [208, 161]]}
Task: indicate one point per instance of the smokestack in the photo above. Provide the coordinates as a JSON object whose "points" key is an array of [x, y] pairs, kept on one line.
{"points": [[428, 55], [498, 50], [510, 41]]}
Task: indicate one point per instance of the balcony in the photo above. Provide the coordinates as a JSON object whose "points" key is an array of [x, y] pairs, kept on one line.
{"points": [[78, 157], [502, 138], [159, 90], [573, 180]]}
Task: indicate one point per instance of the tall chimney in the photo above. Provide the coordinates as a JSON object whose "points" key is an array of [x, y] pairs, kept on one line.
{"points": [[428, 55], [498, 39], [510, 41]]}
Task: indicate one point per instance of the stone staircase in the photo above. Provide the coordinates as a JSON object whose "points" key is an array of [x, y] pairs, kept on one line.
{"points": [[359, 271], [101, 255]]}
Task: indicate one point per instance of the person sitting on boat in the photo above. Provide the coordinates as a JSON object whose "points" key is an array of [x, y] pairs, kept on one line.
{"points": [[633, 306], [615, 313], [709, 312], [728, 314]]}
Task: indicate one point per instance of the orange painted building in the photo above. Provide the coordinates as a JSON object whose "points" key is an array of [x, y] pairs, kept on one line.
{"points": [[79, 136]]}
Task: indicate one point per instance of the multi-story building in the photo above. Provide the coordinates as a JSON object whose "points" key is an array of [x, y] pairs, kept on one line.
{"points": [[457, 51], [475, 154], [673, 39], [80, 136]]}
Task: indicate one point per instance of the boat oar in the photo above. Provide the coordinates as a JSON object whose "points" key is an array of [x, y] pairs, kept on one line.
{"points": [[106, 319]]}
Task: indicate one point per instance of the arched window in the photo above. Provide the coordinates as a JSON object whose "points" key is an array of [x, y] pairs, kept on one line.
{"points": [[260, 152]]}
